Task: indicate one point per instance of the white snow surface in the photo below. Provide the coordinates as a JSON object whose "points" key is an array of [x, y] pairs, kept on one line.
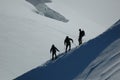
{"points": [[26, 37]]}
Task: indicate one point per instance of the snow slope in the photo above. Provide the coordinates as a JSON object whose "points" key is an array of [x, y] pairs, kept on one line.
{"points": [[26, 37], [107, 65], [69, 65]]}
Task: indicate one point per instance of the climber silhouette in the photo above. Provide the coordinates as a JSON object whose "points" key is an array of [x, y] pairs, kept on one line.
{"points": [[67, 43], [81, 34], [53, 51]]}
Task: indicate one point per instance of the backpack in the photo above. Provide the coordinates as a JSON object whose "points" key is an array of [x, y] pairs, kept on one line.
{"points": [[82, 33]]}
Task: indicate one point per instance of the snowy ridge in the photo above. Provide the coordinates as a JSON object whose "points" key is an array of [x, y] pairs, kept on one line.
{"points": [[26, 37], [107, 65], [70, 66]]}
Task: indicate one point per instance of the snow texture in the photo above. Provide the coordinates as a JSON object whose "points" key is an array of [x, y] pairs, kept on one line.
{"points": [[74, 62]]}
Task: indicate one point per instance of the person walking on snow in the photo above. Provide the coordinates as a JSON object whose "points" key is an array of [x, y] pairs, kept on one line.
{"points": [[67, 43], [81, 34], [53, 51]]}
